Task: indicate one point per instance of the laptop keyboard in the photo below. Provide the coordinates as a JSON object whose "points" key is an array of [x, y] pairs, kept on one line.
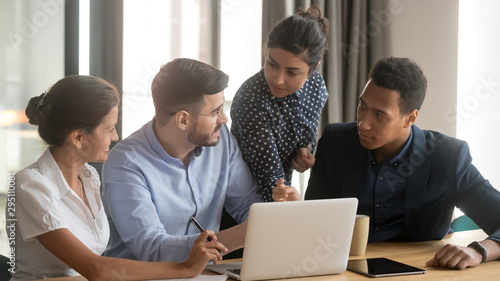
{"points": [[234, 270]]}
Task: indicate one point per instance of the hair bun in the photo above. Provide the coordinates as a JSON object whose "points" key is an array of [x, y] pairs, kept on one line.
{"points": [[315, 13], [35, 109]]}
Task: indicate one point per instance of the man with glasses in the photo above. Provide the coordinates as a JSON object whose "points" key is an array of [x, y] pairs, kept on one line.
{"points": [[182, 164]]}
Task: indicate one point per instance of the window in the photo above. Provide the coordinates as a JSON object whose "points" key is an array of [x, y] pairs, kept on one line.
{"points": [[30, 61], [157, 31], [154, 33], [478, 99], [241, 44]]}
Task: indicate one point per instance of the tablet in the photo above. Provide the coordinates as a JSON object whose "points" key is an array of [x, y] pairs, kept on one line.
{"points": [[381, 267]]}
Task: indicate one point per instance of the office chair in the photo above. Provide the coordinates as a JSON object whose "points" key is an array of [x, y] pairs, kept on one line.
{"points": [[4, 268], [463, 223]]}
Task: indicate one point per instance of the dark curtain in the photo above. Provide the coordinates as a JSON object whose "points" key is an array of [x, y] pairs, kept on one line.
{"points": [[106, 48], [71, 37], [357, 39]]}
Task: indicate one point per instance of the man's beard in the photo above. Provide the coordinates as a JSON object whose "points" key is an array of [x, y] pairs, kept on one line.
{"points": [[202, 140]]}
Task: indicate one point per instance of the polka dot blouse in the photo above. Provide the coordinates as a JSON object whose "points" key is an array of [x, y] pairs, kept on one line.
{"points": [[270, 130]]}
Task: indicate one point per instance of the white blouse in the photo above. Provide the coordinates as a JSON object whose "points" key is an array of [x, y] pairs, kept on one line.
{"points": [[45, 202]]}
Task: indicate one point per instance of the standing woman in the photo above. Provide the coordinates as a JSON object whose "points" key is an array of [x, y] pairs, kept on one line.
{"points": [[275, 113], [61, 226]]}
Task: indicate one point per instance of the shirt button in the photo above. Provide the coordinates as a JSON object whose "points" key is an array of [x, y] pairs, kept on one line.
{"points": [[380, 177], [377, 206], [395, 164]]}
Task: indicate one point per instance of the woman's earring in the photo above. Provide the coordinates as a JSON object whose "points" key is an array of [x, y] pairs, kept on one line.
{"points": [[87, 173]]}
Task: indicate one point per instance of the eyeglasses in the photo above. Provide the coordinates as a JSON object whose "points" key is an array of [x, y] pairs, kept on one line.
{"points": [[216, 113]]}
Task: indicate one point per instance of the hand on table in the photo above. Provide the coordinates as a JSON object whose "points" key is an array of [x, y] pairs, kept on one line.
{"points": [[456, 257], [282, 193]]}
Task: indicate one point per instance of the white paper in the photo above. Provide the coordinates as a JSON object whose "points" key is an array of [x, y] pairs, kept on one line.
{"points": [[199, 278]]}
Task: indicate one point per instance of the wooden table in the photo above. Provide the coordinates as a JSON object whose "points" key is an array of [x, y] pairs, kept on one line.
{"points": [[415, 254]]}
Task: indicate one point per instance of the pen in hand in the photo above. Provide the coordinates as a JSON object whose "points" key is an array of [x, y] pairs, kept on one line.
{"points": [[200, 228]]}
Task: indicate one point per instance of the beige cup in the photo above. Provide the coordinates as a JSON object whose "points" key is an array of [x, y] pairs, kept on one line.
{"points": [[360, 235]]}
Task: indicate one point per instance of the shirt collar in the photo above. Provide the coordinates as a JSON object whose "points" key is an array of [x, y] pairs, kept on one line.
{"points": [[403, 154], [197, 151], [50, 169]]}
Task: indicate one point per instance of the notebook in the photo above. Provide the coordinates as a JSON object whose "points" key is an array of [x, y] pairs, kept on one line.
{"points": [[295, 239]]}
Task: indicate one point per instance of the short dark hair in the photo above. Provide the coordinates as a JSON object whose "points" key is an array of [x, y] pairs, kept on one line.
{"points": [[303, 33], [181, 84], [74, 102], [404, 76]]}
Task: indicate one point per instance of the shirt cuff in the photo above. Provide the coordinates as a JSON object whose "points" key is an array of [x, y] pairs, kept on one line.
{"points": [[191, 240], [496, 239]]}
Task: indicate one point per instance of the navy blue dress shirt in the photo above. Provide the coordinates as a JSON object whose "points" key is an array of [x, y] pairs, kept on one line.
{"points": [[382, 195]]}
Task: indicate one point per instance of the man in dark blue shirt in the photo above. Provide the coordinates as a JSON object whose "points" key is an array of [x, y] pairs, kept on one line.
{"points": [[407, 180]]}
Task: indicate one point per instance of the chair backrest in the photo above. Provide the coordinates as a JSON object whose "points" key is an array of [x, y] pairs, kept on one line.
{"points": [[4, 268], [463, 223]]}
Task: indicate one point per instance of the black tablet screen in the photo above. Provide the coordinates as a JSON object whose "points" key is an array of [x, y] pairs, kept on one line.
{"points": [[379, 267]]}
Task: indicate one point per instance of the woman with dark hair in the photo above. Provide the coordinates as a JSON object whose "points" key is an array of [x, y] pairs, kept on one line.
{"points": [[61, 226], [275, 113]]}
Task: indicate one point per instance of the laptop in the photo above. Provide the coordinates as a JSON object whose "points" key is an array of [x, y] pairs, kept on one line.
{"points": [[295, 239]]}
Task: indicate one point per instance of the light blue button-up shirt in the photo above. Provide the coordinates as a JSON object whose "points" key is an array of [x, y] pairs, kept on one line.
{"points": [[150, 196]]}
